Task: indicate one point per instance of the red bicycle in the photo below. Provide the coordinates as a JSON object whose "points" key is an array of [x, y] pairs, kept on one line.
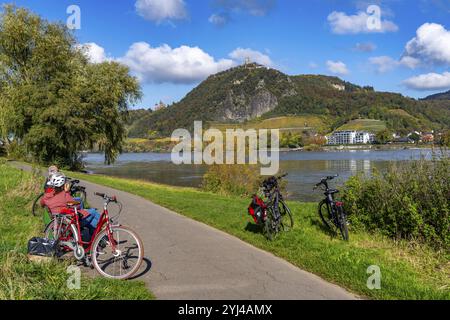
{"points": [[114, 251]]}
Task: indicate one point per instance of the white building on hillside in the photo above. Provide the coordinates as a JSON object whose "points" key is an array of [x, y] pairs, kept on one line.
{"points": [[350, 137]]}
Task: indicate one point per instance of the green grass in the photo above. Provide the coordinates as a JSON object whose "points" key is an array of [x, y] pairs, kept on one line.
{"points": [[402, 113], [22, 279], [291, 123], [408, 271], [369, 125]]}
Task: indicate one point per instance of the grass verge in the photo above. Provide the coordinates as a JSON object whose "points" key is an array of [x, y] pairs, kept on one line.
{"points": [[21, 279], [365, 125], [408, 271]]}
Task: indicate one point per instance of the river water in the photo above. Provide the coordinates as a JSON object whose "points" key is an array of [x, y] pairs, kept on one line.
{"points": [[305, 169]]}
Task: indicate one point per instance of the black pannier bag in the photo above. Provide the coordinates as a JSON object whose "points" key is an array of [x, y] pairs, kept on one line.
{"points": [[42, 247]]}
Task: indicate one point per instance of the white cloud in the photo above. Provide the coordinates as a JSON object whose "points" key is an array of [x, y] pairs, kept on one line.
{"points": [[174, 65], [429, 82], [365, 47], [218, 19], [431, 44], [384, 63], [182, 65], [410, 62], [253, 7], [94, 52], [337, 67], [161, 10], [341, 23], [241, 55]]}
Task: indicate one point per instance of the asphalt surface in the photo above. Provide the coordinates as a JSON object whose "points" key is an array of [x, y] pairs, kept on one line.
{"points": [[189, 260]]}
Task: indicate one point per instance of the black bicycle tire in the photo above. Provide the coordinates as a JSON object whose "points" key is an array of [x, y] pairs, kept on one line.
{"points": [[36, 202], [81, 191], [268, 232], [343, 224], [289, 213], [83, 196], [325, 221]]}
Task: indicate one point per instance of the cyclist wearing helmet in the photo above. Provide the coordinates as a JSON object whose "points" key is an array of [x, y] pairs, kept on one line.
{"points": [[57, 199]]}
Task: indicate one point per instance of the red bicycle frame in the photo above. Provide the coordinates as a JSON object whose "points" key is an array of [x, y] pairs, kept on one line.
{"points": [[74, 219]]}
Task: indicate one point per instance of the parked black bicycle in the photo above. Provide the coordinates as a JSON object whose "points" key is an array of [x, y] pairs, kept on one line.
{"points": [[76, 191], [278, 215], [331, 211]]}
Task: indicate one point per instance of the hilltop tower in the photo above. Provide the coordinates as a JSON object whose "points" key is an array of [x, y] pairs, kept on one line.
{"points": [[247, 62]]}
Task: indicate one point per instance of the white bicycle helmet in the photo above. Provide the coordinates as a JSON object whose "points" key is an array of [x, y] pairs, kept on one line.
{"points": [[57, 180]]}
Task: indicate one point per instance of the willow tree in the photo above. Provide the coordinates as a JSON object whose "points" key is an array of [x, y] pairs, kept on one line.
{"points": [[53, 102]]}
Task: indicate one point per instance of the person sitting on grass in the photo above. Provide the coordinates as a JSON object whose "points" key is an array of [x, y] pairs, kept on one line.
{"points": [[57, 200]]}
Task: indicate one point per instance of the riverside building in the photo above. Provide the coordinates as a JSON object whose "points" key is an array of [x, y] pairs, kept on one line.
{"points": [[350, 137]]}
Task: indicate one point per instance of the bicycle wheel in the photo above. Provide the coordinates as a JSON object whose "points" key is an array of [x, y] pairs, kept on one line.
{"points": [[37, 210], [62, 233], [325, 215], [122, 263], [269, 225], [287, 220], [343, 223], [80, 194]]}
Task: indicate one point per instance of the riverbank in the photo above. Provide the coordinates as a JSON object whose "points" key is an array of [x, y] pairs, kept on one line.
{"points": [[138, 145], [409, 271], [21, 279]]}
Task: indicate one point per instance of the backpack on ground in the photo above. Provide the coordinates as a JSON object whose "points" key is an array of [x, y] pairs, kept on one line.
{"points": [[42, 247], [257, 209]]}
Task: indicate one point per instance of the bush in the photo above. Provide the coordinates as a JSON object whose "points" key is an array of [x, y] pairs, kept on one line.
{"points": [[238, 180], [408, 201], [16, 151]]}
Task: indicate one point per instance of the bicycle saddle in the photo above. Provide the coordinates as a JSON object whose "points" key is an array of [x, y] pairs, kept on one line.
{"points": [[73, 203], [332, 191]]}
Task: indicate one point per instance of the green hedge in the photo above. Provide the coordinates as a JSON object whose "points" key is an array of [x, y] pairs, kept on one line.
{"points": [[236, 180], [409, 201]]}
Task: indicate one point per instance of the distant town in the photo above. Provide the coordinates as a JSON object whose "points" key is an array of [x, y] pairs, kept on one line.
{"points": [[355, 137]]}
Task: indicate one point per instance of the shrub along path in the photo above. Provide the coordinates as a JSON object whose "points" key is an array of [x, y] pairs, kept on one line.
{"points": [[190, 260]]}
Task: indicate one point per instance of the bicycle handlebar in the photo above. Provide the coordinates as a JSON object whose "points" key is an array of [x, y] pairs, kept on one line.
{"points": [[107, 198], [324, 181], [282, 176]]}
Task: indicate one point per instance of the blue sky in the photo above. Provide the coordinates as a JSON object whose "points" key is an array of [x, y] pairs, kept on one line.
{"points": [[171, 45]]}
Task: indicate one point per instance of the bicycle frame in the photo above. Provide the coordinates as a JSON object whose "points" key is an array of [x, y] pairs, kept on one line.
{"points": [[274, 198], [331, 203], [74, 225]]}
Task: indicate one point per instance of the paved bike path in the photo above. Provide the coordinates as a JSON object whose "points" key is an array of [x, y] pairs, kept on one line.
{"points": [[190, 260]]}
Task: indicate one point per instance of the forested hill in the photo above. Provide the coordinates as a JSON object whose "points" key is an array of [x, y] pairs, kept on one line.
{"points": [[439, 96], [248, 92]]}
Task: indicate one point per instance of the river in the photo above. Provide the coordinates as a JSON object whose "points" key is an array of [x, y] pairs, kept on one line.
{"points": [[305, 169]]}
